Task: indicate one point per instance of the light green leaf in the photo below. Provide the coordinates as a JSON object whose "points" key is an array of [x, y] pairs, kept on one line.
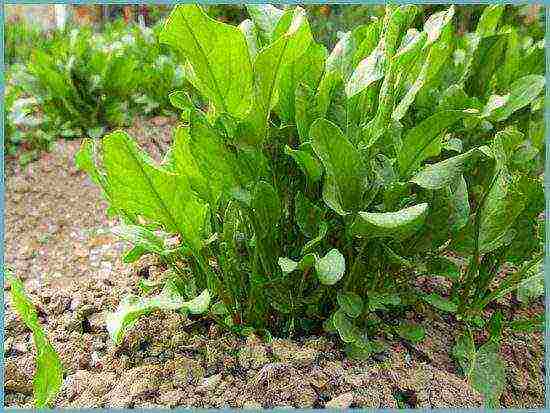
{"points": [[348, 332], [440, 303], [442, 174], [265, 17], [140, 237], [213, 160], [368, 71], [522, 92], [464, 351], [287, 265], [489, 20], [398, 225], [410, 48], [306, 70], [340, 59], [330, 268], [436, 23], [306, 160], [350, 303], [217, 52], [147, 190], [250, 33], [48, 376], [266, 205], [411, 332], [132, 308], [419, 140], [532, 286], [487, 373], [268, 67], [346, 174]]}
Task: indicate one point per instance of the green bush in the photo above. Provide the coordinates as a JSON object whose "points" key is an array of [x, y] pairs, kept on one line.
{"points": [[315, 187]]}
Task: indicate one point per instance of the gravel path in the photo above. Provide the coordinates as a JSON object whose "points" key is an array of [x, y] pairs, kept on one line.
{"points": [[58, 241]]}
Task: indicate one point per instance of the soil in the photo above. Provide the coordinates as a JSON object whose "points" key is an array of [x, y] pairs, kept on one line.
{"points": [[58, 241]]}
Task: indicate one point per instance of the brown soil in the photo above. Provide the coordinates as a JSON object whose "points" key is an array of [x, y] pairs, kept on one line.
{"points": [[58, 241]]}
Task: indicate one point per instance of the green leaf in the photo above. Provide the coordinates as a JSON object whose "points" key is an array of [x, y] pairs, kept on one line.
{"points": [[132, 308], [442, 174], [266, 205], [140, 237], [308, 215], [378, 301], [323, 229], [145, 189], [440, 303], [307, 70], [306, 160], [411, 332], [265, 17], [48, 376], [528, 325], [419, 140], [348, 332], [287, 265], [368, 71], [532, 286], [487, 374], [436, 23], [217, 52], [268, 67], [397, 225], [443, 267], [330, 268], [346, 174], [212, 158], [133, 255], [489, 20], [464, 351], [251, 34], [350, 303], [522, 92]]}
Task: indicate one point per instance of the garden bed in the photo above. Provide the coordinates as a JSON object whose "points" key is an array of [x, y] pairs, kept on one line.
{"points": [[58, 240]]}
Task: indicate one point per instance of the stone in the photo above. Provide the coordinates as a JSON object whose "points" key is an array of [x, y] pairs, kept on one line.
{"points": [[342, 401], [16, 380], [187, 371], [208, 384]]}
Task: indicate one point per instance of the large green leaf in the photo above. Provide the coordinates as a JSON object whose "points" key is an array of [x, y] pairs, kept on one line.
{"points": [[213, 159], [398, 225], [132, 308], [442, 174], [268, 68], [306, 70], [217, 52], [419, 141], [48, 376], [345, 173], [522, 92], [147, 190]]}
